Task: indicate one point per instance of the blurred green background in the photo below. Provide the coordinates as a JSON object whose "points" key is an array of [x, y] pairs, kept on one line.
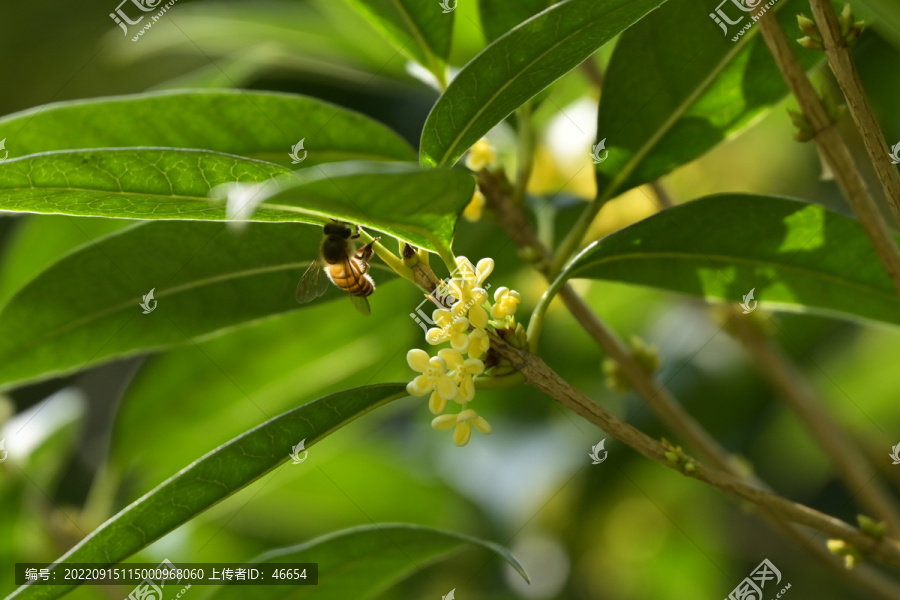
{"points": [[91, 443]]}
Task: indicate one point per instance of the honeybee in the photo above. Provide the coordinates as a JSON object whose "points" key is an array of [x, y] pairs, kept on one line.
{"points": [[344, 267]]}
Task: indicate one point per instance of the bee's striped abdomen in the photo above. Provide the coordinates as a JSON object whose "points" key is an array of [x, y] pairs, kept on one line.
{"points": [[348, 276]]}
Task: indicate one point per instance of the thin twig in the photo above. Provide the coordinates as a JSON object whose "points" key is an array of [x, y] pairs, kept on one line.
{"points": [[592, 72], [542, 377], [832, 147], [851, 464], [662, 194], [841, 62], [512, 218]]}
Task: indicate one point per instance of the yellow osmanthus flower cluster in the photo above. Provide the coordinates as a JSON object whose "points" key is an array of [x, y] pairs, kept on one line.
{"points": [[451, 374]]}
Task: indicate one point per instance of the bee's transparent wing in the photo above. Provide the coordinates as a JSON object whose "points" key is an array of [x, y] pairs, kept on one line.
{"points": [[313, 284], [361, 303]]}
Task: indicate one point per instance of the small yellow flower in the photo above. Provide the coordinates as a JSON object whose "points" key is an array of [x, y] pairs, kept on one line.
{"points": [[481, 155], [433, 378], [462, 425], [449, 328], [505, 303], [479, 343], [466, 286], [462, 372], [475, 207]]}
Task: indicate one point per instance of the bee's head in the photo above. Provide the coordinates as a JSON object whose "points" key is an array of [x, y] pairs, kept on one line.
{"points": [[339, 229]]}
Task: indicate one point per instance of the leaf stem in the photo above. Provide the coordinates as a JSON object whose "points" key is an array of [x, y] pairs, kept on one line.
{"points": [[570, 243], [536, 322], [526, 152], [388, 257]]}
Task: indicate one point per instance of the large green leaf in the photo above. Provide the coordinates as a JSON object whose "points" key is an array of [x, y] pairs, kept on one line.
{"points": [[214, 477], [517, 67], [884, 16], [677, 85], [420, 29], [39, 241], [499, 16], [85, 309], [363, 562], [129, 184], [261, 125], [284, 359], [415, 204], [796, 256], [418, 205]]}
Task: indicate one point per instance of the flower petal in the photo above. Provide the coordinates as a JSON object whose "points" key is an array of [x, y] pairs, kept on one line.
{"points": [[481, 425], [444, 386], [420, 386], [435, 336], [483, 269], [478, 343], [417, 360], [466, 390], [453, 358], [436, 404], [466, 415], [443, 422], [462, 434], [474, 366], [478, 317], [475, 207], [460, 342]]}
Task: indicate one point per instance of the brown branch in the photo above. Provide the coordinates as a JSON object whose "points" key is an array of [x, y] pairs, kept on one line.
{"points": [[542, 377], [851, 464], [841, 62], [832, 147], [512, 218]]}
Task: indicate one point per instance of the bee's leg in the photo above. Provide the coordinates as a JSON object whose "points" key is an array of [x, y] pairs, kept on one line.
{"points": [[365, 253], [358, 234]]}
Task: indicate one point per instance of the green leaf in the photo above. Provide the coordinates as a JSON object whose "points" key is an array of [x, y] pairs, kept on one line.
{"points": [[214, 477], [261, 125], [499, 16], [797, 256], [418, 205], [128, 184], [39, 241], [364, 562], [305, 350], [677, 86], [85, 309], [883, 15], [419, 29], [517, 67]]}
